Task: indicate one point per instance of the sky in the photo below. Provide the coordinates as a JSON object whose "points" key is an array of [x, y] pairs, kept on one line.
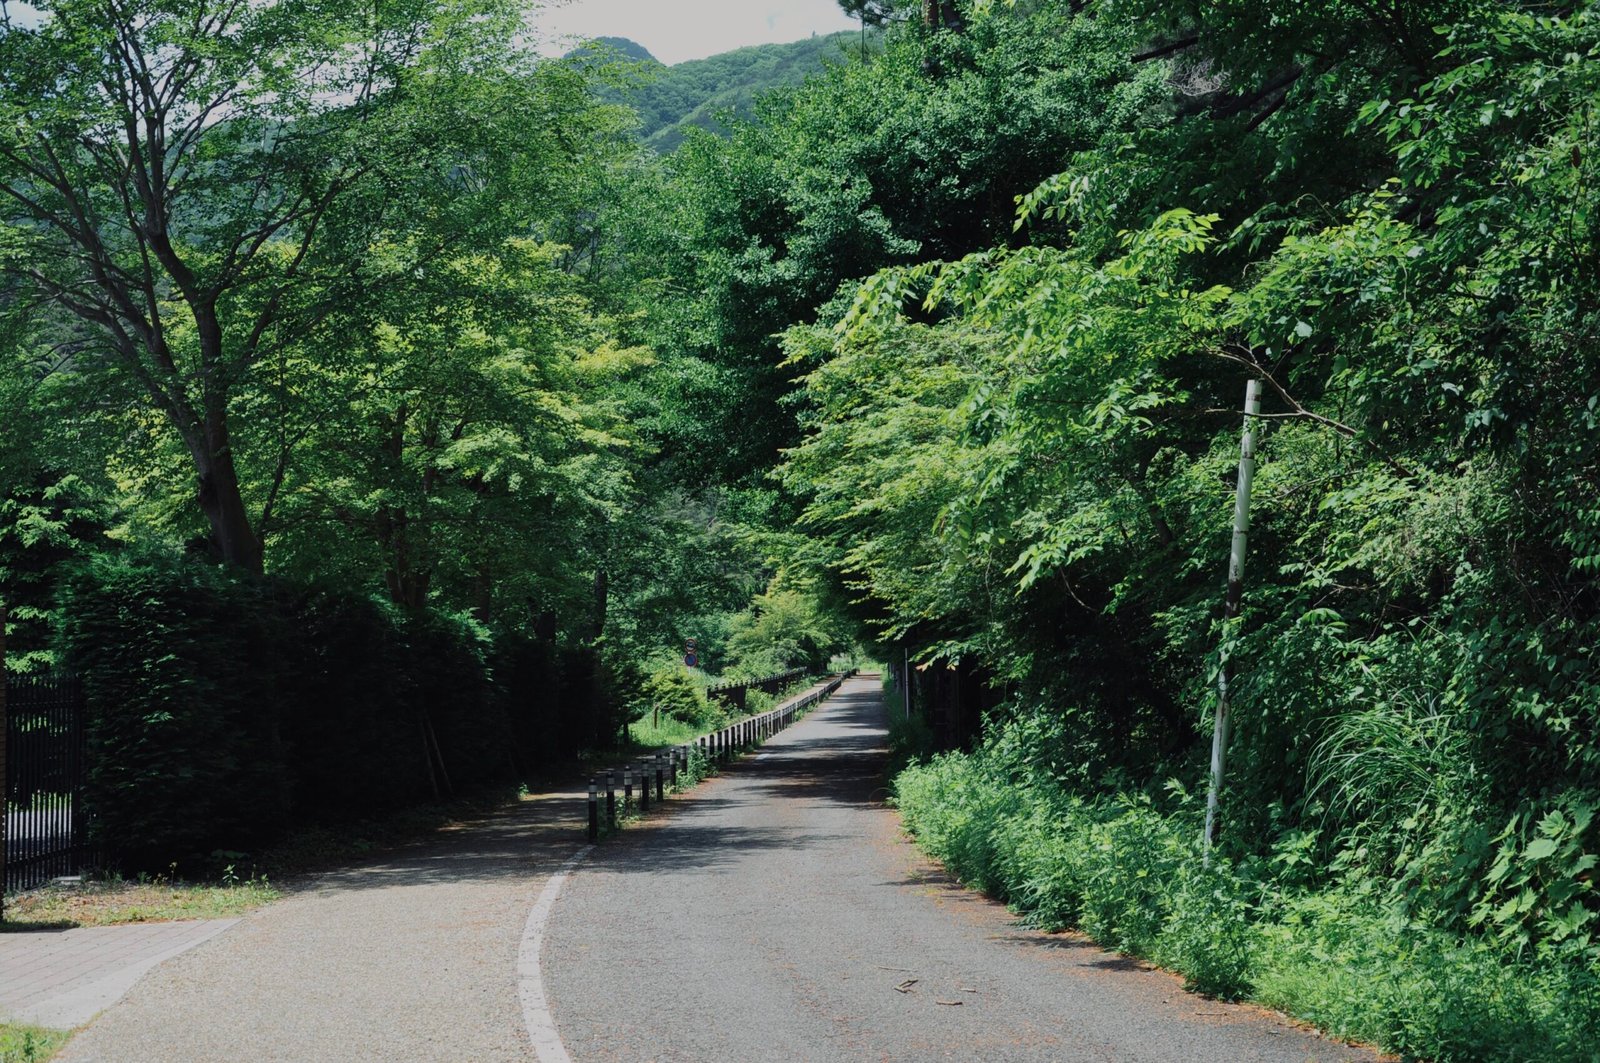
{"points": [[673, 30], [676, 30]]}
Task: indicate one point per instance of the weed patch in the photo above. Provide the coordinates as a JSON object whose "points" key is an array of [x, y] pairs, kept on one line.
{"points": [[21, 1043], [113, 900], [1342, 953]]}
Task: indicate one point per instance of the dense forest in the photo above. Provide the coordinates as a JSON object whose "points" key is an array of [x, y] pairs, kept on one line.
{"points": [[353, 356]]}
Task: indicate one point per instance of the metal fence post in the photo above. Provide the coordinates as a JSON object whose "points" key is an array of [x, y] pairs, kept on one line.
{"points": [[594, 810]]}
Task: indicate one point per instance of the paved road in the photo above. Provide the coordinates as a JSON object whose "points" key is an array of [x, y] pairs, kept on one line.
{"points": [[773, 915], [419, 954], [410, 957]]}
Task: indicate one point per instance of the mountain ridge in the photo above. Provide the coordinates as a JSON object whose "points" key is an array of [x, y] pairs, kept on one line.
{"points": [[671, 100]]}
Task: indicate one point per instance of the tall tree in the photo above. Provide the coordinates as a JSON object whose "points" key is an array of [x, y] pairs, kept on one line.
{"points": [[191, 181]]}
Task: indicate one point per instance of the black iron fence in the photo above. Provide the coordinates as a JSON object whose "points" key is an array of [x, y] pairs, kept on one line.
{"points": [[45, 832]]}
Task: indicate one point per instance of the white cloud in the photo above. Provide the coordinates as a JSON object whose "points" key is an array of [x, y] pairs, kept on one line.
{"points": [[676, 30]]}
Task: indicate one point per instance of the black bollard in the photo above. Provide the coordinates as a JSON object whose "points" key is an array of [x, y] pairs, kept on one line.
{"points": [[644, 788], [611, 800], [661, 780], [594, 811], [627, 788]]}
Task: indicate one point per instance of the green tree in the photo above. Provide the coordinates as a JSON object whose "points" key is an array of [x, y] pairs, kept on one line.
{"points": [[195, 184], [783, 628]]}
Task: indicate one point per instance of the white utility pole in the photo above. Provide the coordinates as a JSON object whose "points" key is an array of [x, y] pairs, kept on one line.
{"points": [[1230, 608], [905, 674]]}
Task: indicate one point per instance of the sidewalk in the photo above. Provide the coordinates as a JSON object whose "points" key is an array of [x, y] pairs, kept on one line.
{"points": [[64, 978]]}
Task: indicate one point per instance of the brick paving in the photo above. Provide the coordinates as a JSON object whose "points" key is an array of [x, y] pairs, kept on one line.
{"points": [[63, 978]]}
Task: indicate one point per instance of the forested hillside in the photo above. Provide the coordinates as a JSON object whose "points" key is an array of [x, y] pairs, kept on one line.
{"points": [[942, 351], [699, 93]]}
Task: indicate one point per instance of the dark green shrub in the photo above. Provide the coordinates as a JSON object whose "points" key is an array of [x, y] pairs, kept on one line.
{"points": [[676, 694], [353, 745], [225, 709], [450, 695], [185, 744]]}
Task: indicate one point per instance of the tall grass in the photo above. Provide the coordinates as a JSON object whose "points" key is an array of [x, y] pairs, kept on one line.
{"points": [[647, 733], [1343, 950]]}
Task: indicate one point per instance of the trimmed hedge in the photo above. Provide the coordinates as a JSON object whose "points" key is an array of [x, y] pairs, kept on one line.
{"points": [[223, 710]]}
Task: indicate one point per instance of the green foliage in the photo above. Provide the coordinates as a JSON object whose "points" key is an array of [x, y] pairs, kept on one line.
{"points": [[1362, 971], [24, 1043], [782, 629], [673, 692], [911, 738], [1025, 455], [1127, 870], [864, 166]]}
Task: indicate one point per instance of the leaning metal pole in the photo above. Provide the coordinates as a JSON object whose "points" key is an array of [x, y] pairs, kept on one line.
{"points": [[1230, 608], [5, 724]]}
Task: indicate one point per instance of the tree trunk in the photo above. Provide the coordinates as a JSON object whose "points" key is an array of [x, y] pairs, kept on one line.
{"points": [[211, 444], [220, 497], [941, 15]]}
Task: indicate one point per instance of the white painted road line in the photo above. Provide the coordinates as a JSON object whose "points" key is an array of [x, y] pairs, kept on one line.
{"points": [[530, 983]]}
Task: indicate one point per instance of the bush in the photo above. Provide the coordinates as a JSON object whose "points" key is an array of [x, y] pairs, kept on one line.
{"points": [[674, 692], [1350, 955], [186, 750]]}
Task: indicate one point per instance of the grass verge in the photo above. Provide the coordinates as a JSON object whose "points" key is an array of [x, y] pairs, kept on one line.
{"points": [[21, 1043], [1343, 955], [110, 900]]}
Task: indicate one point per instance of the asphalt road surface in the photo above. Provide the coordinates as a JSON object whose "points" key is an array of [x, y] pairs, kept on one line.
{"points": [[778, 914]]}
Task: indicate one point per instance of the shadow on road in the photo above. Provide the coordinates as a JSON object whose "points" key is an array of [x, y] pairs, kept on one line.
{"points": [[529, 838]]}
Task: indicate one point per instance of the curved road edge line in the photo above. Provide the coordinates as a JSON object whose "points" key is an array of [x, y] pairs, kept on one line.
{"points": [[536, 1015]]}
